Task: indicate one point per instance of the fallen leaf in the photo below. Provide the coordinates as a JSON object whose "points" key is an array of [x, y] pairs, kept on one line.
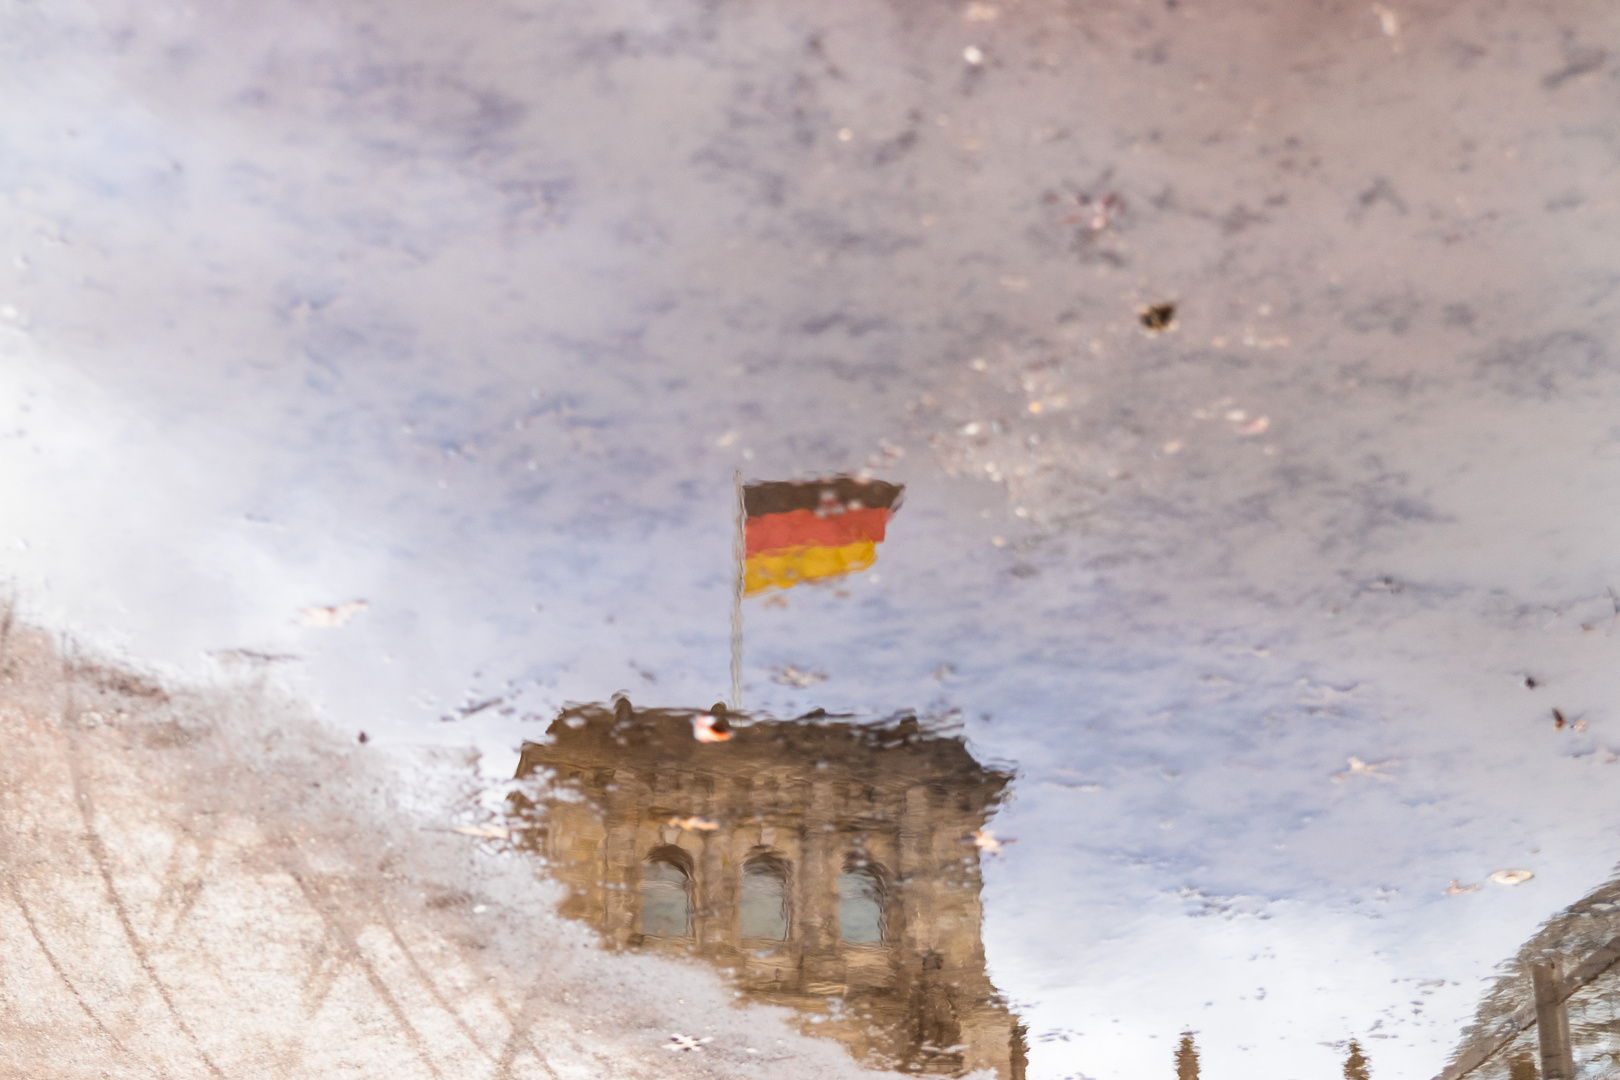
{"points": [[1157, 318]]}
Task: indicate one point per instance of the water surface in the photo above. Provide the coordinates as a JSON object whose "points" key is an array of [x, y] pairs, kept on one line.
{"points": [[472, 315]]}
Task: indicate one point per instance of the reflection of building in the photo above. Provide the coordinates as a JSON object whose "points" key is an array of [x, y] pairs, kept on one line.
{"points": [[832, 867], [1570, 936]]}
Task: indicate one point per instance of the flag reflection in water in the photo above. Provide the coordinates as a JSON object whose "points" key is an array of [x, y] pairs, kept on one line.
{"points": [[798, 531], [830, 866]]}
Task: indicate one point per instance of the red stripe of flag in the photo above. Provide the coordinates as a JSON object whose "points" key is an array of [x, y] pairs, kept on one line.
{"points": [[804, 528]]}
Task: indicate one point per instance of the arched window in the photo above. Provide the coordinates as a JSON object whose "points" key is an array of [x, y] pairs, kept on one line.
{"points": [[861, 901], [666, 893], [762, 910]]}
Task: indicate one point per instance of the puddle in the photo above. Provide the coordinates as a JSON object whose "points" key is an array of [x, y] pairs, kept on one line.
{"points": [[1254, 420], [827, 866]]}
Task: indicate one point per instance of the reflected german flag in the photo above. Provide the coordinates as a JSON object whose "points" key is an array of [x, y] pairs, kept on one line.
{"points": [[810, 530]]}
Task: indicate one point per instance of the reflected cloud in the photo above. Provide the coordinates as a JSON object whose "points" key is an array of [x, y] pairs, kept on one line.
{"points": [[828, 866]]}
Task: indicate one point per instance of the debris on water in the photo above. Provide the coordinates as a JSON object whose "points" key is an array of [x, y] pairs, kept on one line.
{"points": [[694, 824], [1560, 721], [987, 842], [1173, 447], [1102, 210], [1456, 888], [255, 656], [486, 832], [1511, 877], [711, 727], [333, 616], [1158, 318], [685, 1043], [1530, 682], [1364, 768], [1073, 785], [973, 55], [796, 677], [1388, 21], [980, 12], [1256, 426], [364, 738]]}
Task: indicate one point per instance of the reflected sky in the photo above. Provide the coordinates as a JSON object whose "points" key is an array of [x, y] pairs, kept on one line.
{"points": [[473, 315]]}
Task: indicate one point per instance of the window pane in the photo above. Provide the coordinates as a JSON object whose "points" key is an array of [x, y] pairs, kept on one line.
{"points": [[860, 908], [763, 908], [666, 901]]}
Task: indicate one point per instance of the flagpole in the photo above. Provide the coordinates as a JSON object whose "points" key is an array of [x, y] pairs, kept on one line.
{"points": [[739, 554]]}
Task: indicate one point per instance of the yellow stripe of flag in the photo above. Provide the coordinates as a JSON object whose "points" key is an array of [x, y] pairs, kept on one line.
{"points": [[785, 568]]}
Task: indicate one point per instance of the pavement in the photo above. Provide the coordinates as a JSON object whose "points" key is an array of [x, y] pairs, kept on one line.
{"points": [[208, 884]]}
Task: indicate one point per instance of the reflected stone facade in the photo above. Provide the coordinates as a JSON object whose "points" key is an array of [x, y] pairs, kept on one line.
{"points": [[1594, 1011], [830, 867]]}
